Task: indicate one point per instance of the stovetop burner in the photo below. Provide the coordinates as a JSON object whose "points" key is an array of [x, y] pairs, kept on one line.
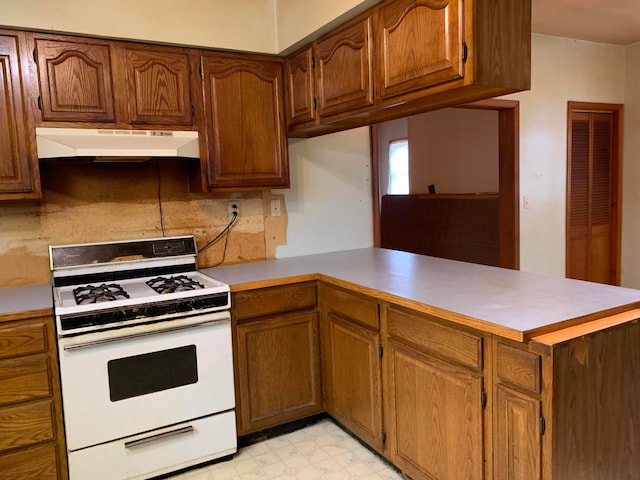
{"points": [[172, 284], [102, 293]]}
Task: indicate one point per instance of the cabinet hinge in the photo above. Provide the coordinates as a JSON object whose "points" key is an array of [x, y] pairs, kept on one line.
{"points": [[35, 56], [465, 52], [380, 350], [200, 70], [313, 62], [483, 398], [315, 104], [384, 437], [39, 103], [543, 424]]}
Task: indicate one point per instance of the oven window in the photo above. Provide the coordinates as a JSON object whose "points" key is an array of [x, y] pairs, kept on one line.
{"points": [[152, 372]]}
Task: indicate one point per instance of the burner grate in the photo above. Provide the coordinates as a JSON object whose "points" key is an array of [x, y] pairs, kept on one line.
{"points": [[179, 283], [102, 293]]}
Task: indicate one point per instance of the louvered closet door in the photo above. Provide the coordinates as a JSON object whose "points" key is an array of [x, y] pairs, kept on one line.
{"points": [[589, 223]]}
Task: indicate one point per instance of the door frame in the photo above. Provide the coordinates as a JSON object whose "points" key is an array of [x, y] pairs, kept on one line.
{"points": [[508, 178], [616, 180]]}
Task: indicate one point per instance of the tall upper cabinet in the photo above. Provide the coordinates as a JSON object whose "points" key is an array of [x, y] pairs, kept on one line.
{"points": [[245, 125], [19, 177]]}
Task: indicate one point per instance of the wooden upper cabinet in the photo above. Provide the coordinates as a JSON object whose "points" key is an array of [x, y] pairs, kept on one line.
{"points": [[245, 125], [300, 83], [157, 86], [344, 69], [75, 80], [18, 166], [419, 44]]}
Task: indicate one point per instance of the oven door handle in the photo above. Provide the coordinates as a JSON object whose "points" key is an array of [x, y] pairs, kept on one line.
{"points": [[159, 436], [103, 341]]}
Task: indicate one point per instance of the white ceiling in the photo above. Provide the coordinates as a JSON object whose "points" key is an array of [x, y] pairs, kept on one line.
{"points": [[605, 21]]}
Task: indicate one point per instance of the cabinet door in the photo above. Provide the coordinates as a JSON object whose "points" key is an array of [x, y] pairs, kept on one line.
{"points": [[352, 378], [345, 69], [278, 370], [301, 94], [419, 44], [245, 126], [518, 445], [75, 80], [15, 162], [435, 427], [157, 86]]}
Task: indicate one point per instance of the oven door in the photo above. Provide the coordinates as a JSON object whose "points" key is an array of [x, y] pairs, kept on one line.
{"points": [[131, 380]]}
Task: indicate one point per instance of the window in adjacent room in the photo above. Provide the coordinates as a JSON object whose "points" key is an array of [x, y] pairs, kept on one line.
{"points": [[398, 167]]}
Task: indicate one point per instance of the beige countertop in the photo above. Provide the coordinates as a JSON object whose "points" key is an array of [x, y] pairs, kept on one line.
{"points": [[510, 303]]}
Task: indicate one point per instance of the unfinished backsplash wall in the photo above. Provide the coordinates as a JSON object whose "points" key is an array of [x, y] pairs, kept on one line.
{"points": [[94, 202]]}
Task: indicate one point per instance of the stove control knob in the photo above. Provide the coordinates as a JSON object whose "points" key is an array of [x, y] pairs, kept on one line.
{"points": [[198, 304], [148, 311], [183, 306], [118, 315]]}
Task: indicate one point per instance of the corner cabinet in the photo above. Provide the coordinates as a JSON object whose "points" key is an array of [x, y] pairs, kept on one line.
{"points": [[277, 358], [351, 369], [19, 178], [31, 431], [244, 121]]}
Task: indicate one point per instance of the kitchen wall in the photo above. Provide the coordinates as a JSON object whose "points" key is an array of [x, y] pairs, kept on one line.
{"points": [[631, 171], [84, 202], [562, 70]]}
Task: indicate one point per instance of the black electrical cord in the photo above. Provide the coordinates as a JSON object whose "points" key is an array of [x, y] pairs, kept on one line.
{"points": [[159, 196], [217, 237]]}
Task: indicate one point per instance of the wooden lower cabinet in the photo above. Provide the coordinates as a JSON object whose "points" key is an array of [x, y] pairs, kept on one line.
{"points": [[277, 356], [31, 431], [434, 387], [351, 363]]}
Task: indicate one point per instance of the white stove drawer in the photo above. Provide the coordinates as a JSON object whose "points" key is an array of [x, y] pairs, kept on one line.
{"points": [[160, 451]]}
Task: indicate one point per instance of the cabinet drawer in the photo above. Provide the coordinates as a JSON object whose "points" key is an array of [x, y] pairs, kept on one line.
{"points": [[431, 335], [26, 425], [352, 307], [519, 367], [24, 379], [39, 462], [271, 300], [22, 338]]}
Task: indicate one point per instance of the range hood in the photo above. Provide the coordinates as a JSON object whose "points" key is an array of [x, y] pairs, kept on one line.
{"points": [[115, 145]]}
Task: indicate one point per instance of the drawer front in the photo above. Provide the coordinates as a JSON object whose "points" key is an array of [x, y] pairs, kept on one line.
{"points": [[351, 307], [272, 300], [23, 338], [24, 379], [519, 367], [26, 425], [33, 463], [432, 336]]}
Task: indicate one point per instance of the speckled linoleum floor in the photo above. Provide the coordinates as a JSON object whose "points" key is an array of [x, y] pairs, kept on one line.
{"points": [[321, 451]]}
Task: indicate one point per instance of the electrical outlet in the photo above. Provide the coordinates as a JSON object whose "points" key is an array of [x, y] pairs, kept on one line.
{"points": [[234, 209], [276, 210]]}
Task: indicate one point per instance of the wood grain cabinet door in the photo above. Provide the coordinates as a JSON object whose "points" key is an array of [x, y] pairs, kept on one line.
{"points": [[419, 44], [435, 417], [300, 88], [15, 173], [75, 80], [157, 86], [245, 125], [278, 370], [345, 69]]}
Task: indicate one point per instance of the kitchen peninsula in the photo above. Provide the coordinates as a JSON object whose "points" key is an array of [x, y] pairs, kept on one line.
{"points": [[539, 375]]}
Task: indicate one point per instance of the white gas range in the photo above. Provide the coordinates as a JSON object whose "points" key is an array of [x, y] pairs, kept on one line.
{"points": [[146, 366]]}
